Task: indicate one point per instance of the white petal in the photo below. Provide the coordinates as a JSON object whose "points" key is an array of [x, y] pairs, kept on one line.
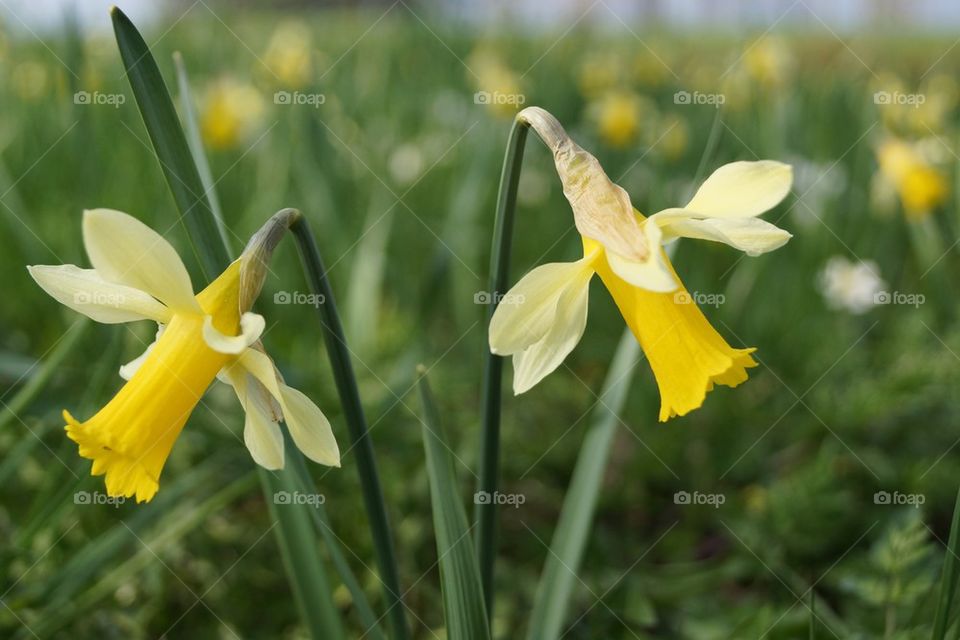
{"points": [[742, 189], [750, 235], [251, 328], [261, 433], [535, 362], [85, 291], [653, 275], [526, 313], [127, 370], [309, 428], [124, 250]]}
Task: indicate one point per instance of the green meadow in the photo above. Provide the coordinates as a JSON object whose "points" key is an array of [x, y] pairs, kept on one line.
{"points": [[814, 500]]}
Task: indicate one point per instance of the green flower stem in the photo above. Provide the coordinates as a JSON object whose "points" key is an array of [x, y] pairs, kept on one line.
{"points": [[360, 443], [486, 511]]}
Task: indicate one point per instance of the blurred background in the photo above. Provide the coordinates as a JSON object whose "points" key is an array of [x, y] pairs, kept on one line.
{"points": [[832, 470]]}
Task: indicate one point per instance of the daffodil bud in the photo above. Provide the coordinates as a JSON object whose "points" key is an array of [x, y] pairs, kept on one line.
{"points": [[255, 259]]}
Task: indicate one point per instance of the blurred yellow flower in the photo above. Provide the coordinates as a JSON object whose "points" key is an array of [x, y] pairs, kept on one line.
{"points": [[137, 275], [617, 116], [30, 80], [498, 86], [542, 318], [920, 186], [756, 498], [738, 90], [598, 73], [288, 55], [651, 70], [768, 61], [919, 112], [230, 113]]}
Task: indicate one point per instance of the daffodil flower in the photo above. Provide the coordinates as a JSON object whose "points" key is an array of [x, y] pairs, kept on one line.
{"points": [[137, 275], [542, 318], [920, 185]]}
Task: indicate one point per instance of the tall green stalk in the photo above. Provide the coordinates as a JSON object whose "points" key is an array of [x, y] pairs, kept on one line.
{"points": [[360, 443], [491, 389]]}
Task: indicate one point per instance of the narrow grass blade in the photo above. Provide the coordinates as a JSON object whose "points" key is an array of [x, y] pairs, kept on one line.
{"points": [[813, 616], [490, 392], [170, 144], [559, 576], [463, 602], [948, 585], [301, 555], [195, 142], [367, 270], [335, 546], [360, 443]]}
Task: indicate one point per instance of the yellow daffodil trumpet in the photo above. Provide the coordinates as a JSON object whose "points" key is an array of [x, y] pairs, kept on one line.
{"points": [[542, 318], [137, 275]]}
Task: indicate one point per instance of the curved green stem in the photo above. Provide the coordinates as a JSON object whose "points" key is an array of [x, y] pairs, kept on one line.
{"points": [[360, 442], [486, 510]]}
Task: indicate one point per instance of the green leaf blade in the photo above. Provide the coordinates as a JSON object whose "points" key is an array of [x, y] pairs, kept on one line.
{"points": [[559, 577], [463, 602], [170, 145]]}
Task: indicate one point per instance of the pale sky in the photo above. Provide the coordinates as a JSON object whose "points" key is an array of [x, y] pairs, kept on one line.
{"points": [[842, 15]]}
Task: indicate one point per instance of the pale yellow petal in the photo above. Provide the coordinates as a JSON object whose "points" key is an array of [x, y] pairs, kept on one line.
{"points": [[527, 312], [251, 328], [85, 291], [750, 235], [654, 274], [742, 189], [124, 250], [534, 363], [309, 428], [261, 433]]}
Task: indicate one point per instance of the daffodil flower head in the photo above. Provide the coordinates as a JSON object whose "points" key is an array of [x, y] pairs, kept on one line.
{"points": [[543, 317], [137, 275], [617, 115], [231, 111], [288, 56], [921, 186]]}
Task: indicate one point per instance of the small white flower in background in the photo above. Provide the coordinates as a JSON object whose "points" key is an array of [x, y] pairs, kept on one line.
{"points": [[406, 164], [851, 286]]}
